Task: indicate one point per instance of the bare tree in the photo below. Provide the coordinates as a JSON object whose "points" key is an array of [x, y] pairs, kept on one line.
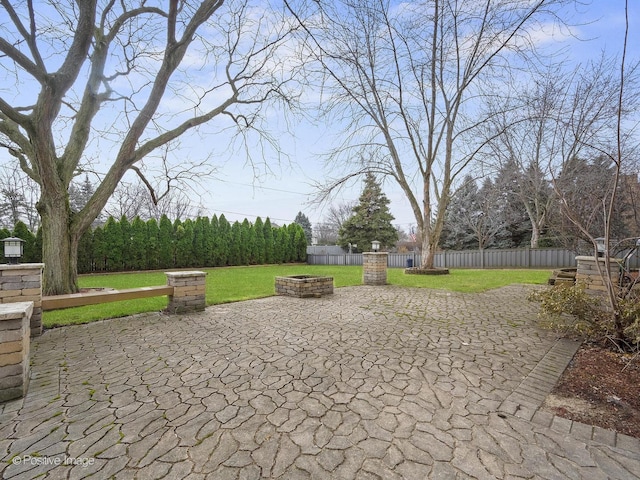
{"points": [[18, 196], [599, 121], [404, 79], [555, 119], [120, 81]]}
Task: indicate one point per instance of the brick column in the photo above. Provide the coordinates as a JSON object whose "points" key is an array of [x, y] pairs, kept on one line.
{"points": [[23, 283], [189, 289], [587, 274], [374, 268], [14, 349]]}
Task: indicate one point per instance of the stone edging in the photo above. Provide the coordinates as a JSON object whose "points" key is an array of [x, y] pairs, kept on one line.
{"points": [[525, 401]]}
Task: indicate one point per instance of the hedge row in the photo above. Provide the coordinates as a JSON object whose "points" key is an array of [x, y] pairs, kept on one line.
{"points": [[121, 245], [203, 242]]}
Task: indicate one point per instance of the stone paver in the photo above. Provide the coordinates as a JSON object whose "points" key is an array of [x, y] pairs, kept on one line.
{"points": [[370, 383]]}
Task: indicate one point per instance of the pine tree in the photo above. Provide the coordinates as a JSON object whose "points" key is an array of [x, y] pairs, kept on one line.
{"points": [[302, 220], [371, 219]]}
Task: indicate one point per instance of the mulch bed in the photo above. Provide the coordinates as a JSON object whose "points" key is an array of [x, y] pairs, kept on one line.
{"points": [[609, 382]]}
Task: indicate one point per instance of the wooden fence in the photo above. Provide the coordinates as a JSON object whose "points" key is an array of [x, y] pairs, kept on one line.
{"points": [[498, 258]]}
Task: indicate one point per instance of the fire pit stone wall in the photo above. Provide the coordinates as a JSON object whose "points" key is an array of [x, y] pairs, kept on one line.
{"points": [[304, 286]]}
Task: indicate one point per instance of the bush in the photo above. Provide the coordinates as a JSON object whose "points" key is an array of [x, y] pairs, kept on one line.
{"points": [[570, 309]]}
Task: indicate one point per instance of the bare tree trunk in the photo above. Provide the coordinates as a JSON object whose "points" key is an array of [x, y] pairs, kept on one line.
{"points": [[59, 248], [428, 252], [535, 235]]}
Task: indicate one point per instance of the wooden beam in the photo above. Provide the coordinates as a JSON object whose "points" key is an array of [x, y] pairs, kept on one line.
{"points": [[92, 298]]}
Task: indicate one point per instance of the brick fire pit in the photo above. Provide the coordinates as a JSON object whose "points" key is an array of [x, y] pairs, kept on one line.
{"points": [[304, 286]]}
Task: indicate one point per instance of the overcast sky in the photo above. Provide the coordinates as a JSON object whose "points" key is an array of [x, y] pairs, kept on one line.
{"points": [[287, 185], [289, 188]]}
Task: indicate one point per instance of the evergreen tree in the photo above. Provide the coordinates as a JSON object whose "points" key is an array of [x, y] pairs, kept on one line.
{"points": [[153, 245], [165, 243], [85, 252], [138, 245], [457, 234], [268, 242], [206, 243], [100, 250], [235, 256], [125, 231], [215, 260], [225, 241], [300, 245], [302, 220], [371, 219], [508, 185], [184, 243], [113, 241], [245, 242], [79, 195], [281, 240], [292, 250], [259, 242]]}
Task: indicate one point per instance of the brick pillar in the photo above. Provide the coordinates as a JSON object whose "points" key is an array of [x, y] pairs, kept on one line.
{"points": [[374, 268], [23, 283], [587, 274], [15, 334], [189, 289]]}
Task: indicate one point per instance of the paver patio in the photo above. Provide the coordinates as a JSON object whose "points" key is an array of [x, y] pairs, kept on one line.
{"points": [[369, 383]]}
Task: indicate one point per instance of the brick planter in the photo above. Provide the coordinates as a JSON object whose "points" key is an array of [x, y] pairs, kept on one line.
{"points": [[304, 286]]}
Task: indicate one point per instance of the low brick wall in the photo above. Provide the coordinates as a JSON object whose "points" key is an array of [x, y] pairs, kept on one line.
{"points": [[23, 283], [587, 274], [15, 337], [189, 291], [374, 268], [304, 286]]}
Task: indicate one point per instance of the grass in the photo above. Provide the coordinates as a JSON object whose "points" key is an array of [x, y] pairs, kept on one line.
{"points": [[234, 284]]}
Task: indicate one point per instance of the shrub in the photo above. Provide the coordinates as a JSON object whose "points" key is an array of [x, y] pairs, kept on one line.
{"points": [[570, 309]]}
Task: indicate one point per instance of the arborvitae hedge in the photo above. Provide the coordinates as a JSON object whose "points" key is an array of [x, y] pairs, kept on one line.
{"points": [[137, 245]]}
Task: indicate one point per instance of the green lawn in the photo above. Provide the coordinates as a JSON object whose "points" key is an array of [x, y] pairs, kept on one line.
{"points": [[233, 284]]}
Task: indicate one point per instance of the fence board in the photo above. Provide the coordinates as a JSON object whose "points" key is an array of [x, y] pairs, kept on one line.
{"points": [[489, 258]]}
